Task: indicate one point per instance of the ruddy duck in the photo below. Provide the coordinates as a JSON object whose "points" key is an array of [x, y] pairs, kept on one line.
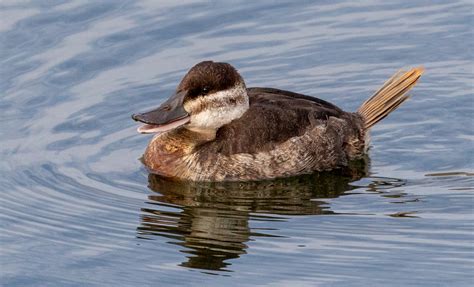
{"points": [[214, 128]]}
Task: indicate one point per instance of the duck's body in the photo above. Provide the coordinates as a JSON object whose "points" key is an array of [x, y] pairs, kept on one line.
{"points": [[260, 133]]}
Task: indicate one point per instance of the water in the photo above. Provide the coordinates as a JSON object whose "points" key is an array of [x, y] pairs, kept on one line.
{"points": [[79, 209]]}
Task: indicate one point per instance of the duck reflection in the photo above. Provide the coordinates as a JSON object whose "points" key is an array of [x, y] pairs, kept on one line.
{"points": [[212, 219]]}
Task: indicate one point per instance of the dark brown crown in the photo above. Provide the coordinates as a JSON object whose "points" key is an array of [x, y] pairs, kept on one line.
{"points": [[209, 77]]}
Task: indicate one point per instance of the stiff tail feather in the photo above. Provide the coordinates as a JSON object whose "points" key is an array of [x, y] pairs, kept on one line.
{"points": [[391, 95]]}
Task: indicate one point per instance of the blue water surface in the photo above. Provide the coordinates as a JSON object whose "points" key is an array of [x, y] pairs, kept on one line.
{"points": [[79, 209]]}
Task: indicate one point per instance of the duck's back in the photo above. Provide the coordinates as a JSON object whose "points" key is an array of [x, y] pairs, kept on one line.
{"points": [[274, 117]]}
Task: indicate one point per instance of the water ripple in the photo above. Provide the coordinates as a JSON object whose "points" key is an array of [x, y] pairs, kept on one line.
{"points": [[76, 201]]}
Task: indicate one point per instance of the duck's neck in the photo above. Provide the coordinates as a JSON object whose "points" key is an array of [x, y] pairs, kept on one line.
{"points": [[167, 152], [181, 141]]}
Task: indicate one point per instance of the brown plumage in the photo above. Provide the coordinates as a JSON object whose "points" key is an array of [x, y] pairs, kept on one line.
{"points": [[273, 117], [277, 133]]}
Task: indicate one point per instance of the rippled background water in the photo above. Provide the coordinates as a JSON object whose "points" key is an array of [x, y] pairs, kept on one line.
{"points": [[78, 208]]}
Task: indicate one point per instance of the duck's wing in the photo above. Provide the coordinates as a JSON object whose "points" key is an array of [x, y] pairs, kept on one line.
{"points": [[274, 116], [272, 93]]}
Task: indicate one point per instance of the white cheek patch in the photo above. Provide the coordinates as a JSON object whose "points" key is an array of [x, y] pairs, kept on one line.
{"points": [[217, 117], [219, 111]]}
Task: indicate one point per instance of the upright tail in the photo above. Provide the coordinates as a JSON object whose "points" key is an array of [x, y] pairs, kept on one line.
{"points": [[391, 95]]}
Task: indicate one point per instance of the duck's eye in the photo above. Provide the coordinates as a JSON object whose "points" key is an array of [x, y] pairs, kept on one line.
{"points": [[205, 90]]}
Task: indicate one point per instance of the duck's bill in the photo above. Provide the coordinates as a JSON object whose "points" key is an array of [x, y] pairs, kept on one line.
{"points": [[152, 129], [168, 116]]}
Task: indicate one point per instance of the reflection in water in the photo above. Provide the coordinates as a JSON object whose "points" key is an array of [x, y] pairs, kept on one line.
{"points": [[213, 218], [73, 71]]}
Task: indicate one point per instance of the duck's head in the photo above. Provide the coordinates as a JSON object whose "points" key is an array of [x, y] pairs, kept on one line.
{"points": [[208, 97]]}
